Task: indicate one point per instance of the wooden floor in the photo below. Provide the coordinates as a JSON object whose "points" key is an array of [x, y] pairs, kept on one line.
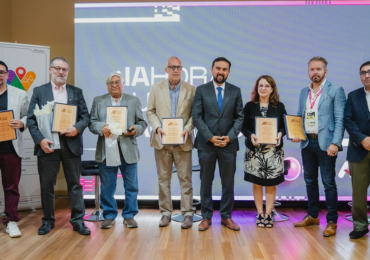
{"points": [[148, 241]]}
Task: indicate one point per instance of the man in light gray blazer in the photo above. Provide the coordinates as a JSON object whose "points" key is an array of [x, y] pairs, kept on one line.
{"points": [[172, 97], [11, 151], [321, 106], [218, 116], [128, 151]]}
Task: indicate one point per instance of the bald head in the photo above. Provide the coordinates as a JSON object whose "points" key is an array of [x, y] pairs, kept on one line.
{"points": [[174, 70]]}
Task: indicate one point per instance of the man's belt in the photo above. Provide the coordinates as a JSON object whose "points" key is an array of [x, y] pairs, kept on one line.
{"points": [[312, 136]]}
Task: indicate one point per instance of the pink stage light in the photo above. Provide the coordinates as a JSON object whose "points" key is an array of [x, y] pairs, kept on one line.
{"points": [[295, 169]]}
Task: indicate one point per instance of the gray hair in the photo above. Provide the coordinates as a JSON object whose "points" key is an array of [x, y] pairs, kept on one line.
{"points": [[58, 58], [114, 73], [318, 58], [170, 58]]}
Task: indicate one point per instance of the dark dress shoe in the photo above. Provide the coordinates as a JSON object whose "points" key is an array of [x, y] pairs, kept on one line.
{"points": [[45, 228], [81, 229], [357, 234]]}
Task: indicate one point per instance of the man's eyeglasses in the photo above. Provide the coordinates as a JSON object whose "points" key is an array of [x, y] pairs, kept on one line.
{"points": [[60, 69], [173, 68], [112, 83], [3, 73], [363, 73]]}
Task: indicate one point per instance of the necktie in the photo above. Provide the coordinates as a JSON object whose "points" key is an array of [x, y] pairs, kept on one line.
{"points": [[219, 98]]}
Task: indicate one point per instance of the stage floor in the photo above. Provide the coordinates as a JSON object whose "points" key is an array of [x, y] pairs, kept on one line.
{"points": [[148, 241]]}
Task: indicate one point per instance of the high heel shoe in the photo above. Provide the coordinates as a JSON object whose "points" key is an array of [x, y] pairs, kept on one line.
{"points": [[269, 222], [260, 222]]}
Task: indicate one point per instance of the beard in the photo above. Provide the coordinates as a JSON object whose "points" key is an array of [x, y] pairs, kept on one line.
{"points": [[220, 81], [317, 78]]}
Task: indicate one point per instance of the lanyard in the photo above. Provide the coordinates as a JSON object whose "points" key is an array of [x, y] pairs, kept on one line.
{"points": [[309, 95]]}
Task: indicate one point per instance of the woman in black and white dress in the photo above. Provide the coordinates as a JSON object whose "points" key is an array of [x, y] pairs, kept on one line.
{"points": [[264, 164]]}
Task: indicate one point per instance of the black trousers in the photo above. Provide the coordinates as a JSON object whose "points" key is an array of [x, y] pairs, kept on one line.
{"points": [[48, 167], [227, 167]]}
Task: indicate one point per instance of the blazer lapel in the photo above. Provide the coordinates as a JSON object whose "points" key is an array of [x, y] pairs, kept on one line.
{"points": [[324, 93], [181, 98], [10, 98], [165, 89], [361, 97], [70, 94], [304, 101], [212, 95], [227, 94], [48, 93]]}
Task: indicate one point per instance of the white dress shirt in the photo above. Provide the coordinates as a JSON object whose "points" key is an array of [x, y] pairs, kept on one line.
{"points": [[114, 103], [313, 129], [367, 95]]}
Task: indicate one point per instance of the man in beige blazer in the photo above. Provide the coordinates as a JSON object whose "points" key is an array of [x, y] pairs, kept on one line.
{"points": [[172, 97], [11, 151]]}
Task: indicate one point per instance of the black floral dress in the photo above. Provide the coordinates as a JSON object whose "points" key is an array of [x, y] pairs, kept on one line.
{"points": [[265, 165]]}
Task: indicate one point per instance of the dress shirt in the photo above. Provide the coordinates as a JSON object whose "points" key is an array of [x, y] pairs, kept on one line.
{"points": [[367, 95], [174, 97], [313, 129], [216, 90], [60, 93], [114, 103]]}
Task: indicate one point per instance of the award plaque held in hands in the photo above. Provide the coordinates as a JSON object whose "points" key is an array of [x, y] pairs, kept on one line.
{"points": [[64, 116], [266, 130], [7, 133], [173, 128], [294, 127], [118, 114]]}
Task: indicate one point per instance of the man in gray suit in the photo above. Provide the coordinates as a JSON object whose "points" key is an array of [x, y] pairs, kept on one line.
{"points": [[218, 116], [128, 151], [48, 160]]}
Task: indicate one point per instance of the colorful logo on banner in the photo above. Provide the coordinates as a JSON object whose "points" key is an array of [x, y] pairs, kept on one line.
{"points": [[20, 78]]}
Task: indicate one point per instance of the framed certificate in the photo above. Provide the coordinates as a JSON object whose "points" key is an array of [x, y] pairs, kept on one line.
{"points": [[118, 114], [294, 127], [173, 127], [266, 129], [7, 133], [64, 116]]}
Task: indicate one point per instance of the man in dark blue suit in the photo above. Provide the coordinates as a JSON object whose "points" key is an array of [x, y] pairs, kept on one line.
{"points": [[357, 124], [71, 147], [218, 115]]}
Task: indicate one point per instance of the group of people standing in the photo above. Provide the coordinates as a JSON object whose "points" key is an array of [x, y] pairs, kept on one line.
{"points": [[216, 110]]}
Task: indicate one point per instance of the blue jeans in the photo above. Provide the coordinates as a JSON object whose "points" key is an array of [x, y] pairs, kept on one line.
{"points": [[108, 176], [313, 158]]}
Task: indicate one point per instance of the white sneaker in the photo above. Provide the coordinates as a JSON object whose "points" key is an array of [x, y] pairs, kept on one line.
{"points": [[12, 229]]}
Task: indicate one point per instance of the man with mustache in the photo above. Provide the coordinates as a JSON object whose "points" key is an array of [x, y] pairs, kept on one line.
{"points": [[218, 116], [321, 106], [71, 147]]}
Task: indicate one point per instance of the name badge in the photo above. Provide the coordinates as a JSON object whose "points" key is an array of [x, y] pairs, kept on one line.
{"points": [[310, 118]]}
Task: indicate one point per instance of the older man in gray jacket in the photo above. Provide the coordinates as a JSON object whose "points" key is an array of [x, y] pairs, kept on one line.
{"points": [[128, 151]]}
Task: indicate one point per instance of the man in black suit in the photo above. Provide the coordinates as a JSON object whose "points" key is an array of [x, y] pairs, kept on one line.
{"points": [[48, 160], [357, 124], [218, 115]]}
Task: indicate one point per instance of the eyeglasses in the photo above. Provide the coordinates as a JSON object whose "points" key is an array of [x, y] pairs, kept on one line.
{"points": [[3, 73], [173, 68], [60, 69], [112, 83], [363, 73]]}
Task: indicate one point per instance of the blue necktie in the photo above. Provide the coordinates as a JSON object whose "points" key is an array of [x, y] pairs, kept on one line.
{"points": [[219, 98]]}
